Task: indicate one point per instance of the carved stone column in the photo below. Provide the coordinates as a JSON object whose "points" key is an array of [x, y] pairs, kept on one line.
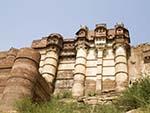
{"points": [[99, 70], [122, 52], [121, 68], [50, 58], [100, 33], [42, 60], [80, 70], [80, 63], [50, 65]]}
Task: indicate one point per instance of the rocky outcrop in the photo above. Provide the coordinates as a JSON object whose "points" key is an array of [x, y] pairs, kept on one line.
{"points": [[24, 81]]}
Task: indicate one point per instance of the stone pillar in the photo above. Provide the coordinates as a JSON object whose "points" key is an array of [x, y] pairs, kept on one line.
{"points": [[100, 34], [50, 64], [121, 68], [79, 73], [50, 57], [22, 80], [42, 60], [99, 70]]}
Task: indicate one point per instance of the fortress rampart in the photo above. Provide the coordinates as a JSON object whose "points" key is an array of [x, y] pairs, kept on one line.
{"points": [[95, 61]]}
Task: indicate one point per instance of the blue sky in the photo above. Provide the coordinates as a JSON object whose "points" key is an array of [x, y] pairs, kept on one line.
{"points": [[22, 21]]}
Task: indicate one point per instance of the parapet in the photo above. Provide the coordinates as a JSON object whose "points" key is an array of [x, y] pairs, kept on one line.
{"points": [[54, 38], [41, 43], [28, 53], [100, 30]]}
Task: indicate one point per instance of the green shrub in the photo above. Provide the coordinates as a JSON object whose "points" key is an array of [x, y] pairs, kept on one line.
{"points": [[63, 94], [56, 106], [26, 106], [91, 94], [110, 108], [138, 95]]}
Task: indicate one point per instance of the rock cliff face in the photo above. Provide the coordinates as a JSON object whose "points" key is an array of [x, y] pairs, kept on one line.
{"points": [[95, 62]]}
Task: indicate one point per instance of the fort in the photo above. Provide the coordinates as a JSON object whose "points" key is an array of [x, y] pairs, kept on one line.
{"points": [[95, 61]]}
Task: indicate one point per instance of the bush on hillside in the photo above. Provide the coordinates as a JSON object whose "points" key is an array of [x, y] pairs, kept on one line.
{"points": [[57, 106], [138, 95]]}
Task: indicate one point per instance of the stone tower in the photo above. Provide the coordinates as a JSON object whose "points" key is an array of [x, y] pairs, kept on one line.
{"points": [[79, 76], [99, 61], [50, 58], [122, 51], [94, 61]]}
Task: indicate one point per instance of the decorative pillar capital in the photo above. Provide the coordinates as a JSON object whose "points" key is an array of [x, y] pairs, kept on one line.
{"points": [[83, 45], [54, 49], [81, 38], [100, 47], [55, 42], [82, 32], [125, 46]]}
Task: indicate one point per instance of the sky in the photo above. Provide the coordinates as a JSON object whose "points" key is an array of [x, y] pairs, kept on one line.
{"points": [[22, 21]]}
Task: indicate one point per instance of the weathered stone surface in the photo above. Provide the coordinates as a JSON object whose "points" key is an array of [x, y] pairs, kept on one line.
{"points": [[49, 56], [25, 80], [134, 111], [65, 74], [102, 99], [97, 61], [3, 81], [103, 58], [39, 43], [7, 58], [136, 65], [108, 84], [91, 100], [89, 55], [90, 86]]}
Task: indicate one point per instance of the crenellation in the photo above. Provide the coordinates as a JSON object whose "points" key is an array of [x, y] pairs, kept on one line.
{"points": [[41, 43]]}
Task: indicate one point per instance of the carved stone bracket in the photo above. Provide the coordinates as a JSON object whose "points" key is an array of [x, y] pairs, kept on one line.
{"points": [[55, 39], [81, 44]]}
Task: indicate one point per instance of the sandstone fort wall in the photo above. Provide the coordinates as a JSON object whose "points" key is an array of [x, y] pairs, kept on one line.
{"points": [[95, 61]]}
